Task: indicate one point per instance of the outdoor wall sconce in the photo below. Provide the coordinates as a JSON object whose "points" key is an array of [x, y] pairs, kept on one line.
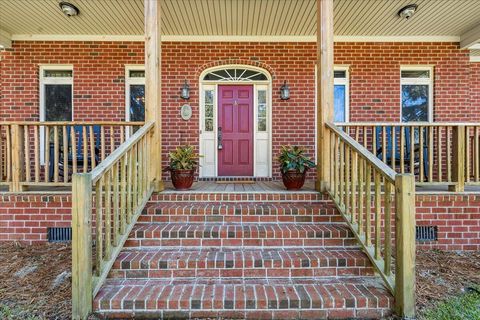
{"points": [[185, 92], [284, 91], [69, 9]]}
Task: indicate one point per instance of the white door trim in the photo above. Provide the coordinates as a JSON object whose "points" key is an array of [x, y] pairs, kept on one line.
{"points": [[204, 136]]}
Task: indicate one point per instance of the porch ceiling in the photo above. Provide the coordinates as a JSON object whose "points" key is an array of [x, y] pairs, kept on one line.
{"points": [[257, 19]]}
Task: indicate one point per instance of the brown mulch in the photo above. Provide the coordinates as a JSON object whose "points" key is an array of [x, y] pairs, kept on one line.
{"points": [[28, 274], [27, 279], [441, 275]]}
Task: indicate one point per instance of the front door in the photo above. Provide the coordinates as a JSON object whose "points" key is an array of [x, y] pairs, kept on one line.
{"points": [[235, 130]]}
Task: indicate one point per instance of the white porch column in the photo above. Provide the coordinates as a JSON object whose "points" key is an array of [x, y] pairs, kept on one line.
{"points": [[153, 97], [324, 89]]}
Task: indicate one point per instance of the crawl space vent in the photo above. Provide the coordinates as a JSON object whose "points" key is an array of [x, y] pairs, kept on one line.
{"points": [[59, 234], [426, 233]]}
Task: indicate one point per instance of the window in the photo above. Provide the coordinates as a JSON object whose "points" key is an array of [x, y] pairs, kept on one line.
{"points": [[341, 94], [262, 110], [208, 102], [56, 93], [416, 94], [235, 75], [135, 93], [56, 100]]}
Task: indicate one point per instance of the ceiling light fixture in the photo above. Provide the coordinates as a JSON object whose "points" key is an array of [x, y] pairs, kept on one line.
{"points": [[408, 11], [69, 9]]}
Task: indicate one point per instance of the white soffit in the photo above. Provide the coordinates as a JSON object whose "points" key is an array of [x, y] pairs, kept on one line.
{"points": [[240, 20]]}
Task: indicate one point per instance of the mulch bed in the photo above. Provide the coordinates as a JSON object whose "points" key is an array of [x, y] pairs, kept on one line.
{"points": [[37, 279], [29, 277], [441, 275]]}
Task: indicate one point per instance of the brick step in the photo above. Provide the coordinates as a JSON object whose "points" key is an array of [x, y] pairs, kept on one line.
{"points": [[308, 212], [239, 196], [227, 263], [281, 298], [239, 235]]}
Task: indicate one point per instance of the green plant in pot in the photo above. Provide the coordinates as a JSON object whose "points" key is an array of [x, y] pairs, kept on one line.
{"points": [[294, 165], [183, 163]]}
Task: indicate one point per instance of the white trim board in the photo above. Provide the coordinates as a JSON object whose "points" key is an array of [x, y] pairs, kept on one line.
{"points": [[230, 38]]}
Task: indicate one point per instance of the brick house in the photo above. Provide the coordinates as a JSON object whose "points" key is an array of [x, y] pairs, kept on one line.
{"points": [[403, 94]]}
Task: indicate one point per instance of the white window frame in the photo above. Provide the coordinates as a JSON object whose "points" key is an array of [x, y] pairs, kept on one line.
{"points": [[51, 80], [131, 81], [418, 81], [339, 81], [346, 82]]}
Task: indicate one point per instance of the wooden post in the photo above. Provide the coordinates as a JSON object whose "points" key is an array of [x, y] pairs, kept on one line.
{"points": [[81, 245], [405, 246], [324, 90], [17, 152], [153, 89], [459, 159]]}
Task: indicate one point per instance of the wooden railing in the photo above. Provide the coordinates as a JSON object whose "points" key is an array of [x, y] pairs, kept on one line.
{"points": [[436, 153], [379, 206], [112, 195], [48, 153]]}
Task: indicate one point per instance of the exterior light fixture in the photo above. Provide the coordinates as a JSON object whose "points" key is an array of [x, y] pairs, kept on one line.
{"points": [[185, 93], [284, 91], [69, 9], [408, 11]]}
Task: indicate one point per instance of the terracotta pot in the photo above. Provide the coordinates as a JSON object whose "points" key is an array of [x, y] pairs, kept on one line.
{"points": [[182, 179], [293, 180]]}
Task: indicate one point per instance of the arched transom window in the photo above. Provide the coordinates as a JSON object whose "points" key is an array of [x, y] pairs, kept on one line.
{"points": [[235, 75]]}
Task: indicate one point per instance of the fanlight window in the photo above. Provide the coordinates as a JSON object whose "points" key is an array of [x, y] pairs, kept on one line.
{"points": [[240, 74]]}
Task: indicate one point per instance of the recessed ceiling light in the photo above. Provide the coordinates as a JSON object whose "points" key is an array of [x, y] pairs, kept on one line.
{"points": [[69, 9], [408, 11]]}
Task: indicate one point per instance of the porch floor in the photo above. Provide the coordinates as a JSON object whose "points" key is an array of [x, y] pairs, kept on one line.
{"points": [[239, 187]]}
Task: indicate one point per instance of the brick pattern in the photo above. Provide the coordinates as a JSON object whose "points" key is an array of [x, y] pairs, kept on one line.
{"points": [[457, 218], [26, 217], [211, 196], [374, 81], [237, 262], [245, 299], [240, 212], [239, 235]]}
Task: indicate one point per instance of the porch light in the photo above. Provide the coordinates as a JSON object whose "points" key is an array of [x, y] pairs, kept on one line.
{"points": [[69, 9], [284, 91], [408, 11], [185, 91]]}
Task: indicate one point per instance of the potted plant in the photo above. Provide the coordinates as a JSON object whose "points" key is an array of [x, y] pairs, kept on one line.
{"points": [[183, 163], [294, 165]]}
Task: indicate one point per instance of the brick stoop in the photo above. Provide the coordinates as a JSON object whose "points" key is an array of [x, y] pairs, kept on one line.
{"points": [[242, 256]]}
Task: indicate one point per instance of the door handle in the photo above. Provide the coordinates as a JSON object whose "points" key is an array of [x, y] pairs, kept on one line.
{"points": [[219, 138]]}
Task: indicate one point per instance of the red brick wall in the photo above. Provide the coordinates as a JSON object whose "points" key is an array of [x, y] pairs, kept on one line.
{"points": [[457, 218], [374, 81], [26, 217]]}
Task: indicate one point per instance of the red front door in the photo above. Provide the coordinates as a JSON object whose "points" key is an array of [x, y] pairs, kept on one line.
{"points": [[235, 124]]}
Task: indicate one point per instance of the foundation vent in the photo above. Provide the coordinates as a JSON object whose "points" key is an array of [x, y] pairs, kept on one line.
{"points": [[59, 234], [426, 233]]}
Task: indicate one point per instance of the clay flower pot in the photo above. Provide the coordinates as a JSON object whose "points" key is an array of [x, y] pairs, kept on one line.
{"points": [[293, 180], [182, 179]]}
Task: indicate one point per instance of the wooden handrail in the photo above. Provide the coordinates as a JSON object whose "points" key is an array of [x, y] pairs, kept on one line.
{"points": [[361, 187], [53, 151], [364, 153], [440, 153], [120, 151], [121, 188]]}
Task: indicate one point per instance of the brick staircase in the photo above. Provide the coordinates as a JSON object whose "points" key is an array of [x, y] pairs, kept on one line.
{"points": [[242, 255]]}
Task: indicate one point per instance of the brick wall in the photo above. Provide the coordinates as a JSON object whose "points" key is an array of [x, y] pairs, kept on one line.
{"points": [[457, 217], [375, 71], [26, 217]]}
